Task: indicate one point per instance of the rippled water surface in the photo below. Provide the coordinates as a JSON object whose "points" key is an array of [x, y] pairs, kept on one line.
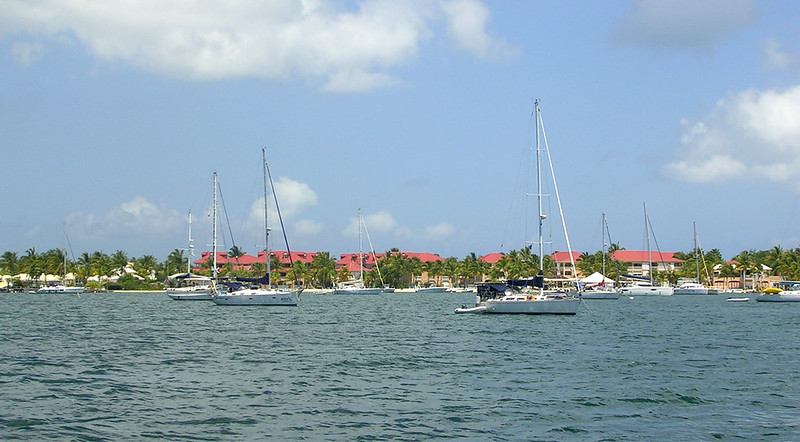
{"points": [[138, 366]]}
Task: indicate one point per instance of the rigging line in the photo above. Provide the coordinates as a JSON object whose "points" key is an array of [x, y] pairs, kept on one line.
{"points": [[228, 222], [610, 241], [280, 218], [658, 248], [374, 258], [703, 257], [558, 197]]}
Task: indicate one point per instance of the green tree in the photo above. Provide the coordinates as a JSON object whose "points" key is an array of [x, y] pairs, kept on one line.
{"points": [[9, 263], [323, 270]]}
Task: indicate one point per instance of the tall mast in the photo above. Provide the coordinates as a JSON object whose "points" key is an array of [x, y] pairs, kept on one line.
{"points": [[696, 251], [191, 247], [649, 250], [360, 254], [603, 250], [64, 281], [214, 230], [266, 219], [539, 194]]}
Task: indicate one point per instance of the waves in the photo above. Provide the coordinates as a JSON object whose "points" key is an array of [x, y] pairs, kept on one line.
{"points": [[116, 367]]}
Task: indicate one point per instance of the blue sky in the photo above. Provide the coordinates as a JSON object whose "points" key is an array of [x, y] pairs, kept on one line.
{"points": [[114, 117]]}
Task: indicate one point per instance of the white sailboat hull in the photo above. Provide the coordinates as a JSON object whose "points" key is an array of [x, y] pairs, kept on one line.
{"points": [[646, 291], [691, 288], [60, 289], [786, 296], [567, 306], [358, 291], [432, 290], [257, 297], [600, 294], [190, 294]]}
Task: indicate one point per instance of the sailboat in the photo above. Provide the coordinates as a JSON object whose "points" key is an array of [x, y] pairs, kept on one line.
{"points": [[693, 287], [191, 287], [62, 288], [531, 298], [646, 288], [259, 291], [357, 286], [600, 290]]}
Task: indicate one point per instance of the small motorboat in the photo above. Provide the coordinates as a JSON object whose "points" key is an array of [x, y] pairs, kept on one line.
{"points": [[734, 299], [476, 309]]}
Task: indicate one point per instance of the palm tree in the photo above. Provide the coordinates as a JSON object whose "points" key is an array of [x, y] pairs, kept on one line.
{"points": [[146, 266], [9, 263], [175, 262], [119, 260]]}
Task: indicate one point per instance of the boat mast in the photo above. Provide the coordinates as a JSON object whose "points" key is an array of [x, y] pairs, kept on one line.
{"points": [[696, 251], [360, 254], [603, 250], [214, 231], [539, 195], [191, 247], [266, 219], [649, 250], [64, 278]]}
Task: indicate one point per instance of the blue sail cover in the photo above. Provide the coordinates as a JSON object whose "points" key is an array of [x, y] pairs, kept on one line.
{"points": [[537, 281], [232, 286], [264, 280], [636, 278]]}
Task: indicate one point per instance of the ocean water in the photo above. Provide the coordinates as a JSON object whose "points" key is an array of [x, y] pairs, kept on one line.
{"points": [[401, 367]]}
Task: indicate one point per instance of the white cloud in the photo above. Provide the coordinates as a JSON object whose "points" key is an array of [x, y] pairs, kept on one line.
{"points": [[466, 23], [293, 196], [684, 24], [307, 227], [382, 223], [26, 53], [135, 217], [753, 134], [775, 58], [440, 231], [352, 49]]}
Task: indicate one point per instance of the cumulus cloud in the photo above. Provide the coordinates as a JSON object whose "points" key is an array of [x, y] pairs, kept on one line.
{"points": [[440, 231], [755, 133], [683, 24], [307, 227], [26, 53], [776, 59], [136, 217], [293, 197], [352, 50], [466, 22], [382, 222]]}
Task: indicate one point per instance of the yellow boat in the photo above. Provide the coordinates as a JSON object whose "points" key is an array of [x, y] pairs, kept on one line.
{"points": [[772, 290]]}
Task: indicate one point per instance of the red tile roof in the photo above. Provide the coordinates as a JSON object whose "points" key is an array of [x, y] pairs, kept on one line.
{"points": [[249, 260], [491, 258], [642, 256], [369, 260], [564, 256]]}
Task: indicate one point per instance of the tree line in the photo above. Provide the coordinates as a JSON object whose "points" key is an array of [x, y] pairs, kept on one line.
{"points": [[393, 269]]}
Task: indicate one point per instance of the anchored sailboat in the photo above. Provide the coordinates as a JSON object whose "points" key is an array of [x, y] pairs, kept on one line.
{"points": [[190, 287], [646, 288], [62, 288], [600, 290], [260, 291], [357, 286], [529, 297]]}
